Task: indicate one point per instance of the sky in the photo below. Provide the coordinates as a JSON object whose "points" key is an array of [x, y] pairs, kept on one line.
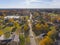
{"points": [[29, 3]]}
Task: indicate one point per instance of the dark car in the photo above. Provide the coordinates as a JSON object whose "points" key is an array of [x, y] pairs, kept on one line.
{"points": [[31, 36]]}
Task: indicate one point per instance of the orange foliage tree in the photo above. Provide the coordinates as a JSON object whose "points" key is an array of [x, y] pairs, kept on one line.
{"points": [[46, 41]]}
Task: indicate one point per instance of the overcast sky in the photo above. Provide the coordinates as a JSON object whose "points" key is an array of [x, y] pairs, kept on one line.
{"points": [[29, 3]]}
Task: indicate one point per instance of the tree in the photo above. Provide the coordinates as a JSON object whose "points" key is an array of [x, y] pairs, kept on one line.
{"points": [[25, 27], [7, 35], [37, 26], [52, 28], [22, 39], [1, 32], [7, 29], [45, 27], [16, 24], [52, 34], [11, 20], [46, 41]]}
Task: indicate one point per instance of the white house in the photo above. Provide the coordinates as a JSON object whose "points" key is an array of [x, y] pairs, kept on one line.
{"points": [[8, 17], [2, 37]]}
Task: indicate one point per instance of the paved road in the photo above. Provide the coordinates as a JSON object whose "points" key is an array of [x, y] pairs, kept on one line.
{"points": [[58, 42], [32, 38]]}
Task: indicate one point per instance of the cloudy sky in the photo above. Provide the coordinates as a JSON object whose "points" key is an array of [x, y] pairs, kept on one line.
{"points": [[29, 3]]}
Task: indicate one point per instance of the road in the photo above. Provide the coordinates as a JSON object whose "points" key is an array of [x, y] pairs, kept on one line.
{"points": [[32, 37], [58, 41]]}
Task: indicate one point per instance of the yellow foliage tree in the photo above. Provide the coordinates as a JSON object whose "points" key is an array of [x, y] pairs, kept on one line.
{"points": [[38, 26], [16, 24], [45, 27], [1, 32], [25, 27], [52, 34], [46, 41], [11, 20]]}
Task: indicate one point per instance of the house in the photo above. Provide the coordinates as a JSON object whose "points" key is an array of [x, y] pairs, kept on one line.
{"points": [[12, 16]]}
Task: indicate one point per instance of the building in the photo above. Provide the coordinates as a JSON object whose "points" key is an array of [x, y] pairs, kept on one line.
{"points": [[13, 16]]}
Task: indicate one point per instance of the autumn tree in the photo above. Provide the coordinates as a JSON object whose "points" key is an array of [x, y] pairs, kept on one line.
{"points": [[52, 34], [11, 20], [38, 26], [1, 32], [46, 41], [25, 27], [22, 39]]}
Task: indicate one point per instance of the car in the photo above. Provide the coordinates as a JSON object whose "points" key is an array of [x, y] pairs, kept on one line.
{"points": [[31, 36]]}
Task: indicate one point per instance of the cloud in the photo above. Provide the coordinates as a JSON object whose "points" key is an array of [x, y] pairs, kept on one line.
{"points": [[30, 4]]}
